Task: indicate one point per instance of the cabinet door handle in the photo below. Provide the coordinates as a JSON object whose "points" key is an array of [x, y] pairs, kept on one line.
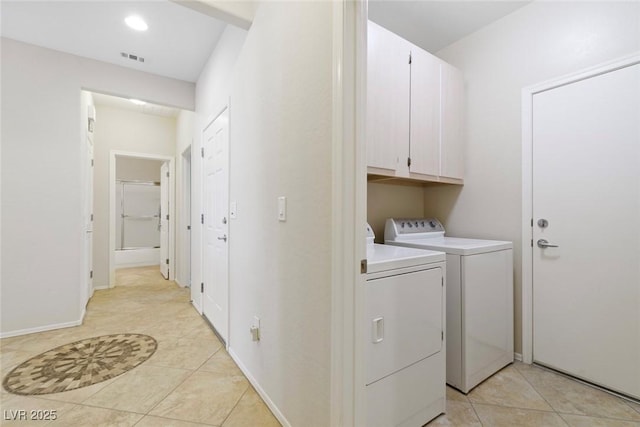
{"points": [[377, 330]]}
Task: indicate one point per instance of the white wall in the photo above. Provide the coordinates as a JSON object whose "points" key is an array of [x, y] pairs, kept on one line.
{"points": [[281, 131], [42, 225], [212, 94], [121, 130], [392, 201], [280, 145], [133, 169], [538, 42]]}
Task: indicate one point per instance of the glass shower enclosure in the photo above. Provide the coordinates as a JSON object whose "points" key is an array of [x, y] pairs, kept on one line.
{"points": [[138, 216]]}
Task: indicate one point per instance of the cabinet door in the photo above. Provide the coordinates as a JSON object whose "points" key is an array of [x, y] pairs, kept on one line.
{"points": [[452, 141], [387, 99], [403, 321], [424, 147]]}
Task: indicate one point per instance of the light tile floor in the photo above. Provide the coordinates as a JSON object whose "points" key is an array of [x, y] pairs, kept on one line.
{"points": [[528, 396], [189, 381], [192, 381]]}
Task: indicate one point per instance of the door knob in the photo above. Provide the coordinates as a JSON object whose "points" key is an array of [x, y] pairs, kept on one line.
{"points": [[542, 243], [223, 238]]}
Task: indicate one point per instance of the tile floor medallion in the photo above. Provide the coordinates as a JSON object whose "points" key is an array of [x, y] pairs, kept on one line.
{"points": [[80, 364], [191, 380], [189, 357]]}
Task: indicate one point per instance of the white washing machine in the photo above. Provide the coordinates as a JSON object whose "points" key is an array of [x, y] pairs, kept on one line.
{"points": [[479, 298], [404, 335]]}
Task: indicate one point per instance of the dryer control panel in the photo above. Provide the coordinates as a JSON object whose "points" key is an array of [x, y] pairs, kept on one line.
{"points": [[423, 227]]}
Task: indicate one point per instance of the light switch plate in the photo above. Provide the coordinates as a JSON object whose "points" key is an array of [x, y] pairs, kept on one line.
{"points": [[282, 208]]}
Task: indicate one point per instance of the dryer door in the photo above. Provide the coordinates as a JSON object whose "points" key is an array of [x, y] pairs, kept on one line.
{"points": [[403, 322]]}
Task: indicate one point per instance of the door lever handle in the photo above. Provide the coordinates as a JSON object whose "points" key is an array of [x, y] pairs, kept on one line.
{"points": [[542, 243], [223, 238]]}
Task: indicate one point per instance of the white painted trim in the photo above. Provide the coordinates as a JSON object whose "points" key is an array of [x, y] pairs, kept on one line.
{"points": [[517, 357], [527, 184], [229, 222], [349, 189], [196, 224], [112, 203], [527, 209], [263, 394], [41, 329], [184, 267], [100, 288]]}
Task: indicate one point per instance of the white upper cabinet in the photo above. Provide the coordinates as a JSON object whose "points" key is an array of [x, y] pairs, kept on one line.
{"points": [[414, 111], [424, 140], [387, 99], [452, 140]]}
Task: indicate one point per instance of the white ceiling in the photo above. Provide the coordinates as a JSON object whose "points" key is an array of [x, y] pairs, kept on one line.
{"points": [[179, 40], [177, 44], [123, 103], [433, 25]]}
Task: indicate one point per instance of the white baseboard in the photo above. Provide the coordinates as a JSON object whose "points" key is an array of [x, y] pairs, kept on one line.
{"points": [[41, 329], [99, 288], [197, 307], [517, 356], [272, 406]]}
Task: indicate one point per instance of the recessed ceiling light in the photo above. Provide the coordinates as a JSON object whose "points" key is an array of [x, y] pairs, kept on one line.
{"points": [[136, 23], [137, 101]]}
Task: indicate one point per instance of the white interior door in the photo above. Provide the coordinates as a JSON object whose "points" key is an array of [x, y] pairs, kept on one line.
{"points": [[88, 217], [186, 215], [586, 188], [164, 220], [215, 262]]}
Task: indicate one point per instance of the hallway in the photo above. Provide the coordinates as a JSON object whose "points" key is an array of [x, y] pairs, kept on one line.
{"points": [[190, 379]]}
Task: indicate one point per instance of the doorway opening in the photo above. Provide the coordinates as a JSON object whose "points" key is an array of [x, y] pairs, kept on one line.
{"points": [[568, 168], [141, 197], [136, 196], [138, 212]]}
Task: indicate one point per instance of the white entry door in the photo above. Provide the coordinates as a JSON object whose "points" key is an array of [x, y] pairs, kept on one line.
{"points": [[164, 220], [215, 260], [586, 200]]}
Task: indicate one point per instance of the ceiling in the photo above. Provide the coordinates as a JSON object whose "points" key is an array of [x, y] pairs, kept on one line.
{"points": [[177, 44], [179, 40], [123, 103], [433, 25]]}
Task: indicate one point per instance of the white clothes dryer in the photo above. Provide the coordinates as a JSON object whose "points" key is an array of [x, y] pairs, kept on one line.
{"points": [[479, 291], [404, 318]]}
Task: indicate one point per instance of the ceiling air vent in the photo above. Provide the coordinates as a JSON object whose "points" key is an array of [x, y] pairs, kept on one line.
{"points": [[132, 56]]}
